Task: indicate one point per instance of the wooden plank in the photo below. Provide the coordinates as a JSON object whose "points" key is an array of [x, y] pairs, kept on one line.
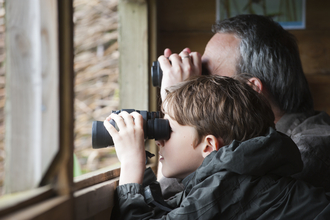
{"points": [[23, 96], [103, 215], [317, 15], [133, 48], [95, 199], [13, 202], [196, 41], [186, 15], [320, 88], [314, 48], [95, 177], [99, 176], [51, 209], [195, 15]]}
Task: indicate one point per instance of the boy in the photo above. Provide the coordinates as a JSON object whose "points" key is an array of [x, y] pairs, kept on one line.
{"points": [[223, 144]]}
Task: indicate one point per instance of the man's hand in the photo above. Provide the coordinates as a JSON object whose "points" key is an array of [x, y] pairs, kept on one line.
{"points": [[129, 144], [178, 67]]}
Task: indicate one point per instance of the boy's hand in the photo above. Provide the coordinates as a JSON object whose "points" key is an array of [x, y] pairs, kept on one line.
{"points": [[129, 144], [178, 67]]}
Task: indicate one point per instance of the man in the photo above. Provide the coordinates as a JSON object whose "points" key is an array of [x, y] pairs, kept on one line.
{"points": [[259, 49]]}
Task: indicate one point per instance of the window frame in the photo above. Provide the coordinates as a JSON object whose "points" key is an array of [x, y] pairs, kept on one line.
{"points": [[60, 196]]}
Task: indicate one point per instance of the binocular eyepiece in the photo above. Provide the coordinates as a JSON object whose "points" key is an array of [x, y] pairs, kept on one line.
{"points": [[156, 74], [153, 127]]}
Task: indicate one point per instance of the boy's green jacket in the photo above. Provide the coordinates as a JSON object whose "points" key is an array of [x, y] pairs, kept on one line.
{"points": [[244, 180]]}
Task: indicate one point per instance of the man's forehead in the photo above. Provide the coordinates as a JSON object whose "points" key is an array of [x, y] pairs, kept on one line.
{"points": [[221, 54]]}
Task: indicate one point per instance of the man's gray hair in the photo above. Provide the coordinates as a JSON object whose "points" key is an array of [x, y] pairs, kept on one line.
{"points": [[270, 53]]}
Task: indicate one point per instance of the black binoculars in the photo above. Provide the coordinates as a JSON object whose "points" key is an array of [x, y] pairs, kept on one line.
{"points": [[153, 127]]}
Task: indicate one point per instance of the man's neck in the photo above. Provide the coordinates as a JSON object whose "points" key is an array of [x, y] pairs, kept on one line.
{"points": [[278, 112], [278, 115]]}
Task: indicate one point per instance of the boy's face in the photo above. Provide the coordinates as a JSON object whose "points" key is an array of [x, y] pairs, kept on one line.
{"points": [[178, 156]]}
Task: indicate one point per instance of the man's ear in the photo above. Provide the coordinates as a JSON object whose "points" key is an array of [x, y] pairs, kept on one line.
{"points": [[211, 143], [256, 84]]}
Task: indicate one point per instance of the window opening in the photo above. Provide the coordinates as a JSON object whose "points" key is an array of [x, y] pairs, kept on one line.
{"points": [[96, 78]]}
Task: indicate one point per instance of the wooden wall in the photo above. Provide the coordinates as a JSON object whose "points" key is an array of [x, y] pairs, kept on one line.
{"points": [[187, 23]]}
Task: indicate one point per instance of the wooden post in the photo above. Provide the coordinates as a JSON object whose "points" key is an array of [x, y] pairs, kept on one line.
{"points": [[23, 110], [154, 94], [133, 48]]}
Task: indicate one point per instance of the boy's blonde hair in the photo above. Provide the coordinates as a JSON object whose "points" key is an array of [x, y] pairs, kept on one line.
{"points": [[221, 106]]}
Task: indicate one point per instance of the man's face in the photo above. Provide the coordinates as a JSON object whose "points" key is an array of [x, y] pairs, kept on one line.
{"points": [[178, 155], [221, 54]]}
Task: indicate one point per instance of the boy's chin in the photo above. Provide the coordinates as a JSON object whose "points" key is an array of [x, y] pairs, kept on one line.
{"points": [[173, 176], [168, 175]]}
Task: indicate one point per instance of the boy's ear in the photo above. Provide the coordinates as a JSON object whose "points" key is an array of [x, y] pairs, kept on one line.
{"points": [[256, 84], [211, 143]]}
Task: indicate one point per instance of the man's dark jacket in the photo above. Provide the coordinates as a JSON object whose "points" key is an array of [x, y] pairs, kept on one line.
{"points": [[244, 180], [311, 132]]}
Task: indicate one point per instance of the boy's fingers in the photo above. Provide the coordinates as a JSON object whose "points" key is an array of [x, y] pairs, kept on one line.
{"points": [[108, 118], [110, 128], [128, 119], [138, 119], [119, 120]]}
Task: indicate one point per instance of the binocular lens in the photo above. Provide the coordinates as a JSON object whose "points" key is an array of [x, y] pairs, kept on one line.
{"points": [[100, 136]]}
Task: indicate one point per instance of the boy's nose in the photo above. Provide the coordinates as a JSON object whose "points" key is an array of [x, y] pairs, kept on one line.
{"points": [[160, 143]]}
